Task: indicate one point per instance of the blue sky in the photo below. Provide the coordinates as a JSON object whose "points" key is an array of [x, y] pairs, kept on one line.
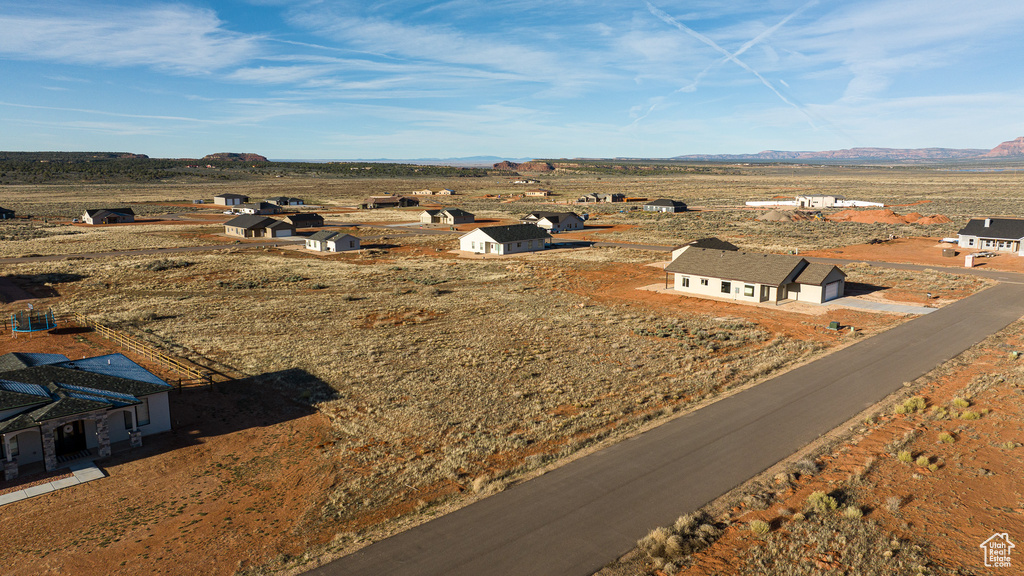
{"points": [[405, 79]]}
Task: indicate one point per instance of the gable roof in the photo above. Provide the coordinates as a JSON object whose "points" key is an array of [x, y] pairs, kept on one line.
{"points": [[666, 202], [432, 212], [513, 233], [229, 195], [713, 243], [250, 221], [258, 206], [456, 212], [553, 217], [305, 217], [95, 211], [323, 235], [1003, 228], [771, 269], [815, 273], [116, 364]]}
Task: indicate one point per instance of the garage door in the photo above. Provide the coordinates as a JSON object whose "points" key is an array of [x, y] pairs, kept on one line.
{"points": [[832, 290]]}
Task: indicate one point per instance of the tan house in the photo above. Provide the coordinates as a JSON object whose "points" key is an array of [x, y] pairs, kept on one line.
{"points": [[445, 192], [253, 226], [554, 222], [537, 192], [424, 192], [230, 199], [751, 277]]}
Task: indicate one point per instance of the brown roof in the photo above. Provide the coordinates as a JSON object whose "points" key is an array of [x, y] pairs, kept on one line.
{"points": [[771, 269]]}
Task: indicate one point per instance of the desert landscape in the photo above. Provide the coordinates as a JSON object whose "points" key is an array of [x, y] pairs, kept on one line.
{"points": [[359, 394]]}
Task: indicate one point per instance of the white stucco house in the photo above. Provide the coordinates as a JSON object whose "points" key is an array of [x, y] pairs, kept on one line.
{"points": [[995, 234], [554, 222], [510, 239], [752, 277], [449, 216], [54, 409], [331, 241]]}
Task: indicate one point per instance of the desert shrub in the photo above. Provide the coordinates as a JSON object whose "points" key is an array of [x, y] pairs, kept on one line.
{"points": [[821, 502], [923, 461], [946, 438], [905, 456], [318, 286], [1010, 445], [164, 264], [806, 467], [853, 512], [912, 405], [893, 503], [969, 415], [759, 527], [961, 402]]}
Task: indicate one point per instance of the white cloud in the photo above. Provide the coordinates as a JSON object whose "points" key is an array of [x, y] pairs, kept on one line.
{"points": [[172, 37]]}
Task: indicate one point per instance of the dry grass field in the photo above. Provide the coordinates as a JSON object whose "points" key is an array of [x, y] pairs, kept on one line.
{"points": [[440, 379]]}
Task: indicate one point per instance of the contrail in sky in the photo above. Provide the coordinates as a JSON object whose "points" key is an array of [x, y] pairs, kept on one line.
{"points": [[728, 56]]}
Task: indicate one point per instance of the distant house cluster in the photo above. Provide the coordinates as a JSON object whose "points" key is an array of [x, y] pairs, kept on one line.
{"points": [[285, 201], [601, 197], [108, 216], [554, 222], [995, 234], [54, 408], [429, 192]]}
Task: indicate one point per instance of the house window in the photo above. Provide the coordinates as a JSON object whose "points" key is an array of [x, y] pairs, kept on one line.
{"points": [[703, 281], [142, 412], [970, 242], [748, 290], [351, 243], [726, 287], [685, 282], [519, 244]]}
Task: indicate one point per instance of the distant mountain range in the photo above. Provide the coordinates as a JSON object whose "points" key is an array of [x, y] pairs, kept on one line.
{"points": [[465, 161], [1009, 149]]}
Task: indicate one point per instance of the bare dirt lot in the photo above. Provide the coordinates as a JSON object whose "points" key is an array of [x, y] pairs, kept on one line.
{"points": [[390, 385]]}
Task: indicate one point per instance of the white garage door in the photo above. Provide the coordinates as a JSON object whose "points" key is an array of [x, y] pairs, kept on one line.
{"points": [[831, 291]]}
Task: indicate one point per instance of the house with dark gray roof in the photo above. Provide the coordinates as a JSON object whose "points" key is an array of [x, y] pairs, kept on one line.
{"points": [[6, 213], [53, 409], [665, 205], [108, 216], [305, 220], [447, 216], [995, 234], [252, 226], [510, 239], [554, 222], [331, 241], [285, 201], [752, 277], [711, 242]]}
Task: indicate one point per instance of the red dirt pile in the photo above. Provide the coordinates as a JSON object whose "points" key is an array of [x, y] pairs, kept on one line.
{"points": [[886, 217]]}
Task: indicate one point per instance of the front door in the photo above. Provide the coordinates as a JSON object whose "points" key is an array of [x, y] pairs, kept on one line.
{"points": [[69, 438]]}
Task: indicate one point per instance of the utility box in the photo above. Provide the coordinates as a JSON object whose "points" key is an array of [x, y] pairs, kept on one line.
{"points": [[969, 261], [948, 252]]}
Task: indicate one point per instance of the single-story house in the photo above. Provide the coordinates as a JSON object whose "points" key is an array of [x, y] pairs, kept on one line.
{"points": [[752, 277], [525, 181], [449, 216], [537, 192], [424, 192], [445, 192], [602, 197], [230, 199], [713, 243], [819, 200], [285, 201], [6, 213], [253, 226], [504, 239], [331, 241], [554, 221], [390, 202], [997, 234], [54, 409], [261, 208], [665, 205], [108, 216], [305, 220]]}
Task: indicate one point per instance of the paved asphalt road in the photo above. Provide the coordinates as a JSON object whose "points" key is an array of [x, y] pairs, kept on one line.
{"points": [[579, 517]]}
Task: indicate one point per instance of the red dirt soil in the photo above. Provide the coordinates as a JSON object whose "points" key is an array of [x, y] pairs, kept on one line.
{"points": [[886, 217], [924, 251]]}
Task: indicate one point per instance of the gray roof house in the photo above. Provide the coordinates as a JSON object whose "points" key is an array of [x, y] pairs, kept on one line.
{"points": [[752, 277], [505, 239], [6, 213], [331, 241], [108, 216], [665, 205], [305, 220], [252, 226], [448, 216], [711, 242], [996, 234], [554, 222], [53, 409]]}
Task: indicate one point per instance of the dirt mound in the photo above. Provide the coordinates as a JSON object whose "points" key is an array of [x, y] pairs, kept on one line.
{"points": [[775, 216], [886, 217]]}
